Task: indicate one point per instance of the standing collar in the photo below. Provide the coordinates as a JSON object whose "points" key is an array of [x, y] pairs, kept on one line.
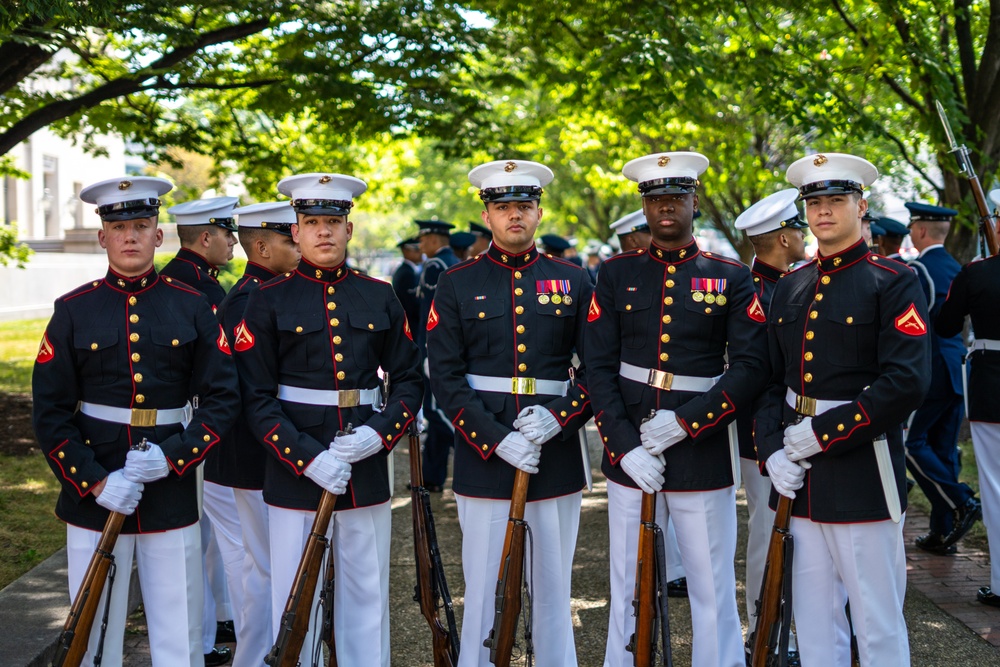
{"points": [[844, 258], [133, 284], [199, 261], [510, 260], [674, 255], [766, 271], [929, 248], [321, 274]]}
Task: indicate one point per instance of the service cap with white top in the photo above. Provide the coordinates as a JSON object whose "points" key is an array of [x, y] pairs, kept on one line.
{"points": [[666, 173], [275, 216], [830, 174], [322, 194], [217, 211], [777, 211], [510, 180], [633, 222], [127, 198], [995, 198]]}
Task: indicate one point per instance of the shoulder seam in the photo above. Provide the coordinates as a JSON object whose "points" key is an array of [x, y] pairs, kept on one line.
{"points": [[883, 265], [464, 265], [724, 260], [277, 280]]}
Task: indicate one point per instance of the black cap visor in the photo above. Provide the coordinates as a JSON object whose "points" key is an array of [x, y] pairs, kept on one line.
{"points": [[511, 193], [820, 188], [322, 206], [129, 210]]}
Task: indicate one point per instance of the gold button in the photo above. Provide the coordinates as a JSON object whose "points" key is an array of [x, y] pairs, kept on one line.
{"points": [[334, 322], [808, 377], [461, 422], [666, 319], [517, 274], [520, 328], [330, 289], [575, 404], [274, 438], [558, 311], [338, 357], [810, 335], [133, 318], [598, 423], [562, 413], [72, 470], [628, 307], [780, 319], [857, 418], [86, 442], [605, 438], [808, 356], [694, 425], [671, 269], [519, 310], [518, 291], [708, 310], [194, 450], [168, 279], [819, 297], [139, 398], [341, 375], [665, 338], [388, 437], [299, 462], [132, 301], [482, 315], [175, 342], [664, 356], [850, 320], [406, 414], [522, 347], [134, 337], [485, 447], [522, 367], [669, 283], [206, 438], [711, 415], [288, 450], [298, 329], [825, 437], [337, 340], [473, 434], [331, 306], [840, 427], [137, 377], [825, 280], [668, 301], [62, 455], [813, 315], [84, 484], [725, 406], [93, 346], [180, 462], [397, 425], [371, 326], [135, 356]]}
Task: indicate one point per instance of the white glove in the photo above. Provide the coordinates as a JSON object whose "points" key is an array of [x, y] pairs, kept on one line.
{"points": [[661, 432], [645, 469], [329, 472], [364, 442], [800, 441], [146, 466], [516, 450], [119, 494], [537, 424], [786, 476]]}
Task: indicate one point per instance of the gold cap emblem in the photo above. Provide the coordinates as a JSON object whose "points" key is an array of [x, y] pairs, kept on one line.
{"points": [[663, 161], [325, 179], [820, 160], [510, 166], [125, 185]]}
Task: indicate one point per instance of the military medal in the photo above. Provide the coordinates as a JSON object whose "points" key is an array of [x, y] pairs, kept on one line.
{"points": [[543, 299], [709, 298], [568, 300], [698, 297], [556, 299], [720, 300]]}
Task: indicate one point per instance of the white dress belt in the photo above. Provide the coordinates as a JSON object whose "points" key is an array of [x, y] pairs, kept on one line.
{"points": [[145, 417], [985, 344], [520, 385], [342, 398], [810, 407], [666, 381]]}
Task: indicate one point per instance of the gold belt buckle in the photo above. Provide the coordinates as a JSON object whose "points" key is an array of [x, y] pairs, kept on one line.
{"points": [[805, 405], [525, 386], [660, 379], [143, 417], [348, 398]]}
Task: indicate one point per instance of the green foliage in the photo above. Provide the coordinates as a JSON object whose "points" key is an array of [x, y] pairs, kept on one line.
{"points": [[18, 346], [10, 249], [228, 275]]}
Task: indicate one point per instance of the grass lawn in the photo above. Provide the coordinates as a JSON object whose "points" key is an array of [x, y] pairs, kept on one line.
{"points": [[29, 529], [18, 347]]}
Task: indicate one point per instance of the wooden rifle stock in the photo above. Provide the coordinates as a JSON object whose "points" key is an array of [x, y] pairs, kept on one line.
{"points": [[643, 640], [510, 579], [76, 631], [427, 591], [774, 602], [295, 619]]}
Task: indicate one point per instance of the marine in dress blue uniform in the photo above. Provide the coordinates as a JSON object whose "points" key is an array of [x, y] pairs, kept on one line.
{"points": [[119, 362], [932, 438], [975, 292], [238, 461], [850, 358], [500, 339], [406, 279], [775, 230], [433, 235], [632, 231], [308, 351], [659, 327]]}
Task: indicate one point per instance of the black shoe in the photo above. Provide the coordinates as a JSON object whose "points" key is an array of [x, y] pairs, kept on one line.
{"points": [[678, 588], [986, 596], [909, 485], [933, 543], [434, 488], [793, 658], [225, 632], [965, 516], [220, 655]]}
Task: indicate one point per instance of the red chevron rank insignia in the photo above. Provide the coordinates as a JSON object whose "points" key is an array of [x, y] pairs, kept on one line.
{"points": [[755, 311], [594, 312], [223, 342], [432, 318], [910, 322], [45, 351], [244, 339], [406, 328]]}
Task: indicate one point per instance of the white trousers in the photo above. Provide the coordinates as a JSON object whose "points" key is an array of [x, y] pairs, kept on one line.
{"points": [[549, 564], [218, 605], [253, 619], [861, 562], [759, 525], [360, 539], [170, 578], [705, 522], [986, 443]]}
